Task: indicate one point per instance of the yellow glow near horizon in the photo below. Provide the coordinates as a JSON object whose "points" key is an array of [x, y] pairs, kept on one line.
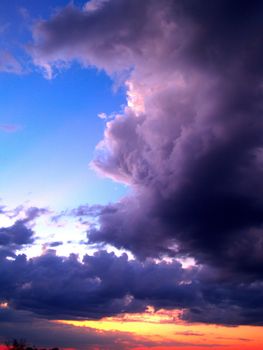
{"points": [[166, 326]]}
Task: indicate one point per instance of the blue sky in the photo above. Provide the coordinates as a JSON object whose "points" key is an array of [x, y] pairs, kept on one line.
{"points": [[46, 160]]}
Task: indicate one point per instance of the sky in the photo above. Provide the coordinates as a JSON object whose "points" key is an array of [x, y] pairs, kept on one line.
{"points": [[131, 166]]}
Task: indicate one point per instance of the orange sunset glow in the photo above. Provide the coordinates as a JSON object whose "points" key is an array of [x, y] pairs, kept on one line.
{"points": [[165, 327]]}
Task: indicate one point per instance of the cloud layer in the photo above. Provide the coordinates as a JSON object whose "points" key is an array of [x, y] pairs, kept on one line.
{"points": [[103, 285]]}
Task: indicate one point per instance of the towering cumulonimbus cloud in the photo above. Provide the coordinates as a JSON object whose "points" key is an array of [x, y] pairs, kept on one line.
{"points": [[190, 140]]}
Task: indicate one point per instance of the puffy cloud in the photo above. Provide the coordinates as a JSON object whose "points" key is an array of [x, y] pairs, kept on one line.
{"points": [[189, 141], [20, 233], [97, 37], [102, 285], [17, 234], [55, 287]]}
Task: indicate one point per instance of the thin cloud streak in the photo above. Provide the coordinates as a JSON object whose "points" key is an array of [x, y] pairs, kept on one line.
{"points": [[9, 64], [9, 128]]}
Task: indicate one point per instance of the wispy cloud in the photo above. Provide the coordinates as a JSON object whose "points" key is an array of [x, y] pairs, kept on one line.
{"points": [[9, 127], [9, 64]]}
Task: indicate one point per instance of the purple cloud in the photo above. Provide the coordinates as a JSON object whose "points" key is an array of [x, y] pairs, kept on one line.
{"points": [[17, 234], [54, 287], [20, 233], [189, 142]]}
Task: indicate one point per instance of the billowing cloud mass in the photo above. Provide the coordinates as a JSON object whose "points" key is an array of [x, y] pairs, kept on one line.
{"points": [[189, 143], [103, 284]]}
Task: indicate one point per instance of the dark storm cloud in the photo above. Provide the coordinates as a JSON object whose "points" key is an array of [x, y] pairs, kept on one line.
{"points": [[196, 159], [103, 285], [189, 142], [20, 233], [16, 235]]}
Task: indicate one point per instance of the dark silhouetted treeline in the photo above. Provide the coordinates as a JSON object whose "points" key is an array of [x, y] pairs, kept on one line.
{"points": [[22, 345]]}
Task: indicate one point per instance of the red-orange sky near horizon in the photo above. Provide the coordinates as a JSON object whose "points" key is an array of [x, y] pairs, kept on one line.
{"points": [[236, 347], [163, 330], [166, 331]]}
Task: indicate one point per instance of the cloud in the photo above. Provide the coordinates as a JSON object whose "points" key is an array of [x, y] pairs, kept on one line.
{"points": [[102, 285], [55, 244], [192, 334], [9, 127], [189, 142], [102, 116], [94, 5], [33, 213], [17, 234], [9, 64], [20, 233], [54, 287]]}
